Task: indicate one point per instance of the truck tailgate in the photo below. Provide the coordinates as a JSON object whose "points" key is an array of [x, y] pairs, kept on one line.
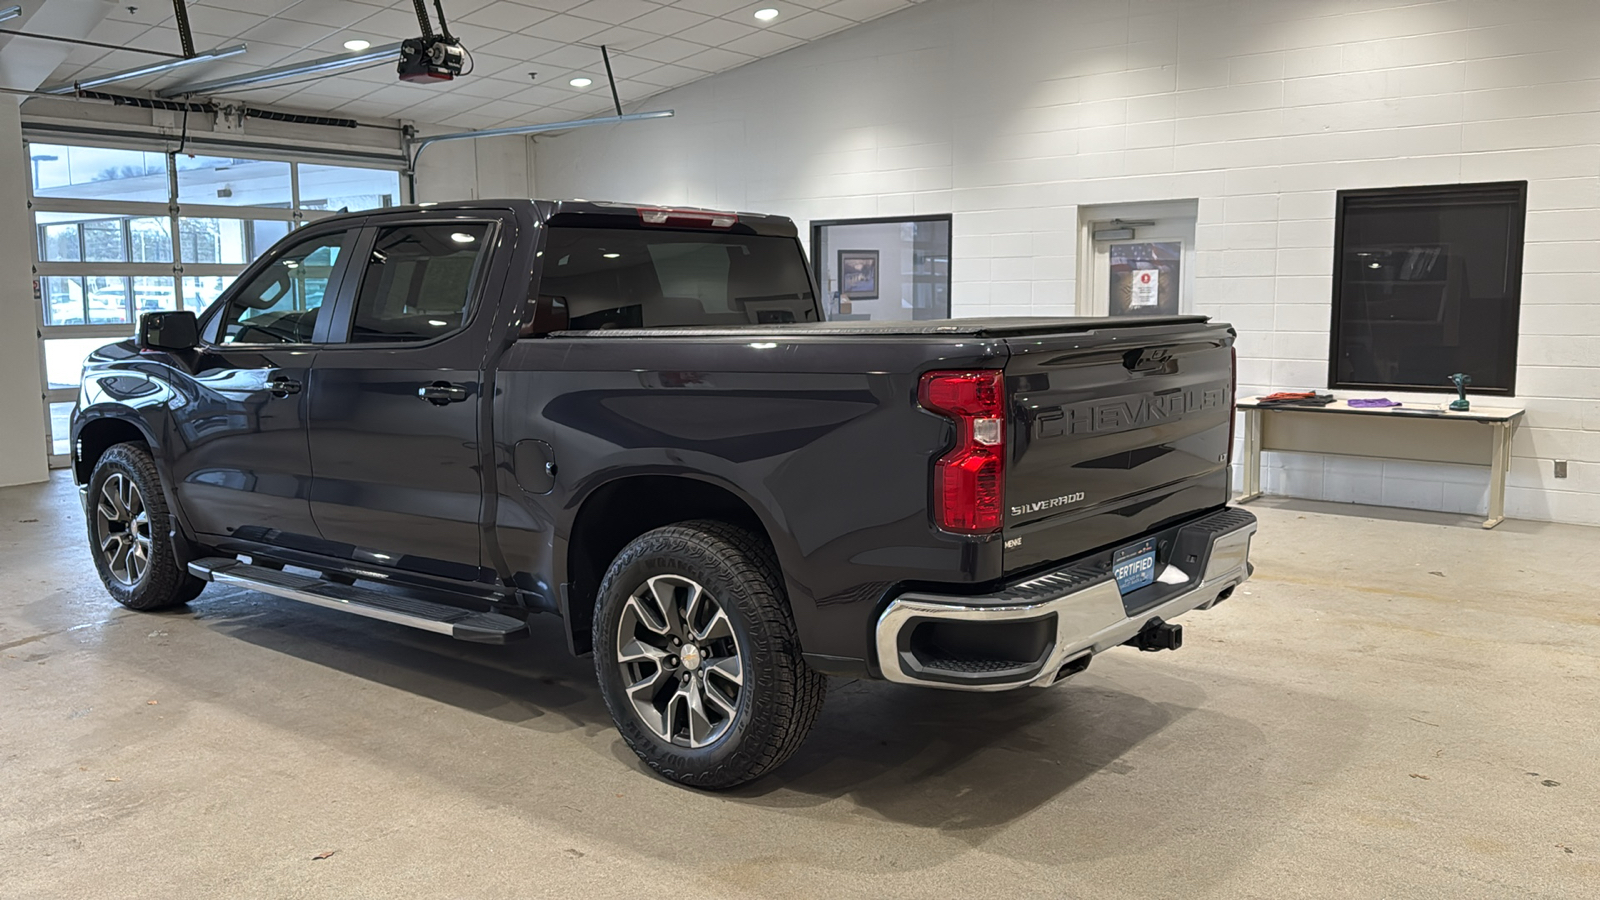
{"points": [[1115, 433]]}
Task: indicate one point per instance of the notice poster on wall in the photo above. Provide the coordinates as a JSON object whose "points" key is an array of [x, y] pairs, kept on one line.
{"points": [[1145, 278]]}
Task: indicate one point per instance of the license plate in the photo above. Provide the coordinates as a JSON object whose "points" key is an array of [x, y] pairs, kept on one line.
{"points": [[1134, 567]]}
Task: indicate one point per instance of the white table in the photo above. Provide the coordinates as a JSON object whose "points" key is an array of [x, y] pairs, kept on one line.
{"points": [[1481, 436]]}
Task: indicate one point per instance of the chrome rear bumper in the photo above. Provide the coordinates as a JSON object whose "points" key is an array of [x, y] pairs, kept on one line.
{"points": [[1075, 612]]}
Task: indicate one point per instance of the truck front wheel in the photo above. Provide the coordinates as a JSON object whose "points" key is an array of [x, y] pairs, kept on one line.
{"points": [[697, 659], [130, 533]]}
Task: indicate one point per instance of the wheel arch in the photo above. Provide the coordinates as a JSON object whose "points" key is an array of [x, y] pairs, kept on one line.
{"points": [[97, 433], [613, 514]]}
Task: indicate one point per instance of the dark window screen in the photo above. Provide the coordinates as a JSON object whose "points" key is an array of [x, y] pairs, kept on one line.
{"points": [[1427, 283], [640, 278], [418, 282]]}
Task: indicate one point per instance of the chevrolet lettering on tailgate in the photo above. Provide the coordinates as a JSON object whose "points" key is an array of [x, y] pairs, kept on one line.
{"points": [[1126, 413]]}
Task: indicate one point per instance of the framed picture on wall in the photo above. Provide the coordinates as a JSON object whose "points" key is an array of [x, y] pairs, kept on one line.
{"points": [[858, 274]]}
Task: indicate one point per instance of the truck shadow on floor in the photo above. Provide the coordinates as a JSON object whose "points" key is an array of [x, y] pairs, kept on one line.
{"points": [[958, 762]]}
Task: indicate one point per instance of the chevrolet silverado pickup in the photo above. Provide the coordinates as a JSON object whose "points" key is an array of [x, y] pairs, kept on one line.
{"points": [[453, 417]]}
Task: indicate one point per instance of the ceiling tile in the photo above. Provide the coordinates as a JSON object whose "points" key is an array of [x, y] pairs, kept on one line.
{"points": [[670, 76], [621, 38], [283, 31], [809, 25], [260, 7], [567, 29], [626, 66], [390, 23], [322, 12], [711, 7], [715, 60], [554, 5], [223, 21], [716, 32], [667, 50], [667, 20], [505, 16], [863, 10], [763, 43], [518, 46], [614, 12], [573, 56]]}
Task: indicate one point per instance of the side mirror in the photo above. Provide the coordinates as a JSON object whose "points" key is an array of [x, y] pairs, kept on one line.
{"points": [[169, 331], [549, 315]]}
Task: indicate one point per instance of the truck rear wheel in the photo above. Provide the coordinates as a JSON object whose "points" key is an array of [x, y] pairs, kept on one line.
{"points": [[697, 659], [130, 533]]}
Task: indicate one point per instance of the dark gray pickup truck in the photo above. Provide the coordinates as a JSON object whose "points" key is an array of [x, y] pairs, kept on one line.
{"points": [[456, 416]]}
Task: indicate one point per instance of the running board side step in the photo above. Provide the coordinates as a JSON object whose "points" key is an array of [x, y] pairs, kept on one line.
{"points": [[440, 618]]}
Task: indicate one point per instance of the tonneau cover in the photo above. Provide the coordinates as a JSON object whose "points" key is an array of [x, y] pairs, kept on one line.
{"points": [[986, 327]]}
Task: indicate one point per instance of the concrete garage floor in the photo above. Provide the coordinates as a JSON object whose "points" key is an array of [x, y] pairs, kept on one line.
{"points": [[1392, 709]]}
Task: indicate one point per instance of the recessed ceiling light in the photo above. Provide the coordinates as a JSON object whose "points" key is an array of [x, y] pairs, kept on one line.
{"points": [[611, 255], [580, 82], [462, 237], [766, 15], [357, 44]]}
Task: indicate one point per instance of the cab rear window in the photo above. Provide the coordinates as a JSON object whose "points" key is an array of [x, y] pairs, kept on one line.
{"points": [[634, 278]]}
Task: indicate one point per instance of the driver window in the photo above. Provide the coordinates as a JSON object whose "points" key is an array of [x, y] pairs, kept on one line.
{"points": [[280, 305]]}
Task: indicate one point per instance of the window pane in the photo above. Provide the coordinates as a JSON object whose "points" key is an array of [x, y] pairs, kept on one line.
{"points": [[199, 292], [63, 359], [98, 173], [61, 428], [150, 239], [225, 181], [418, 282], [346, 187], [58, 237], [884, 270], [63, 299], [612, 278], [1428, 286], [279, 306], [212, 241], [103, 241], [108, 299], [153, 292], [264, 233]]}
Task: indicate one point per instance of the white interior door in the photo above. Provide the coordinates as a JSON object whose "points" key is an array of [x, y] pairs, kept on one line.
{"points": [[1139, 266]]}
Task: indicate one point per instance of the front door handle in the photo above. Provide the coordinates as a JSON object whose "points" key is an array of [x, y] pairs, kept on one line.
{"points": [[440, 393], [283, 387]]}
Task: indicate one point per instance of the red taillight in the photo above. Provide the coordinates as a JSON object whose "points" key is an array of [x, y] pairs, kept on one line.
{"points": [[969, 481], [697, 218]]}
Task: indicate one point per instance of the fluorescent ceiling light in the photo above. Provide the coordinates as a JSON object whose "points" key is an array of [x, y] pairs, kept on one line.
{"points": [[580, 82], [145, 70], [9, 13], [309, 67], [357, 44], [766, 15], [611, 255], [461, 237]]}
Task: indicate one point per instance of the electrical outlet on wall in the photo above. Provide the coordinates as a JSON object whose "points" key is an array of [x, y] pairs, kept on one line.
{"points": [[1561, 468]]}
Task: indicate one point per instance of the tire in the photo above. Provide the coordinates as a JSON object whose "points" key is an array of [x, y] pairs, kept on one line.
{"points": [[130, 533], [749, 724]]}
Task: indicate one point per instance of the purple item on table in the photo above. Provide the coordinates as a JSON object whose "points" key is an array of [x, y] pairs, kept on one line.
{"points": [[1375, 403]]}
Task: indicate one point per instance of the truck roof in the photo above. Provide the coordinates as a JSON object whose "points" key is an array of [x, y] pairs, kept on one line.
{"points": [[605, 214]]}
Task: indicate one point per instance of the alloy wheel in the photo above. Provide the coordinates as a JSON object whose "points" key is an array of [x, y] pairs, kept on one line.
{"points": [[122, 529], [680, 661]]}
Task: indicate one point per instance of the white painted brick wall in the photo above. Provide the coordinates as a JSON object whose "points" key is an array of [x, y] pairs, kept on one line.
{"points": [[1011, 113]]}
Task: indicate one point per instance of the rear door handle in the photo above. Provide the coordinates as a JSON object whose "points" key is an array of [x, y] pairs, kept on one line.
{"points": [[440, 393], [280, 386]]}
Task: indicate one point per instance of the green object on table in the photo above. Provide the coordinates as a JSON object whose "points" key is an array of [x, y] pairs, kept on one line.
{"points": [[1461, 381]]}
